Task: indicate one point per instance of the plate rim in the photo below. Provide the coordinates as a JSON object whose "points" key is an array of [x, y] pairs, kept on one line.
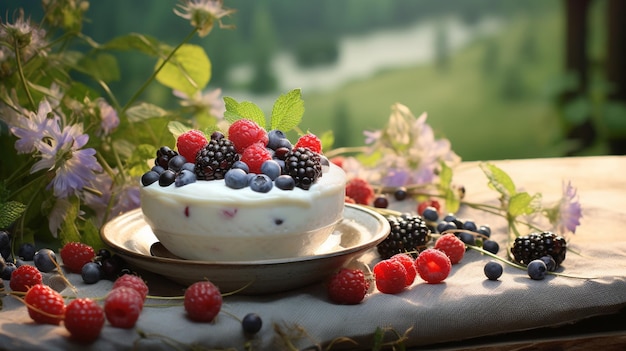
{"points": [[376, 239]]}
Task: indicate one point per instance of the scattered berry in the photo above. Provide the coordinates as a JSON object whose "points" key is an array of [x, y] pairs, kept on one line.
{"points": [[190, 142], [409, 265], [84, 319], [122, 307], [24, 277], [203, 301], [484, 230], [428, 203], [493, 270], [444, 226], [537, 269], [433, 266], [348, 287], [400, 194], [491, 246], [452, 246], [381, 201], [134, 282], [430, 214], [310, 141], [75, 255], [254, 156], [550, 263], [360, 191], [470, 225], [536, 245], [91, 273], [26, 251], [45, 260], [409, 234], [245, 132], [45, 305], [390, 276], [467, 238], [251, 323]]}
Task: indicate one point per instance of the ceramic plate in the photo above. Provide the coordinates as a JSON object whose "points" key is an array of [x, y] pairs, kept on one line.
{"points": [[361, 230]]}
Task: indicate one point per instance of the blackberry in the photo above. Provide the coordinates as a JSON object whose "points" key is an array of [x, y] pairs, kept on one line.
{"points": [[215, 159], [304, 166], [409, 234], [536, 245]]}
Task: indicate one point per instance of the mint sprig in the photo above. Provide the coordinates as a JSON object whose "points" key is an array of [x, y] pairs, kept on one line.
{"points": [[286, 114]]}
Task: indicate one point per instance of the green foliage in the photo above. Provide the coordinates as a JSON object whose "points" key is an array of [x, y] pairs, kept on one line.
{"points": [[188, 70]]}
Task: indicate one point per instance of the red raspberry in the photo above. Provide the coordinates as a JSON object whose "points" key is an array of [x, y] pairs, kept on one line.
{"points": [[432, 202], [254, 156], [390, 276], [409, 264], [134, 282], [338, 161], [122, 307], [75, 255], [348, 286], [189, 143], [244, 132], [311, 141], [360, 191], [25, 276], [452, 246], [349, 200], [203, 301], [84, 319], [44, 305], [433, 266]]}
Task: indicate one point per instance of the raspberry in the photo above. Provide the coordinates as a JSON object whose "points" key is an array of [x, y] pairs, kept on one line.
{"points": [[428, 203], [452, 246], [433, 266], [122, 307], [203, 301], [254, 156], [25, 276], [134, 282], [75, 255], [390, 276], [45, 305], [349, 200], [409, 265], [310, 141], [189, 143], [244, 132], [348, 287], [84, 319], [360, 191]]}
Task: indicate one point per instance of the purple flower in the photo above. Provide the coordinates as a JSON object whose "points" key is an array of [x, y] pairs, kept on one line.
{"points": [[74, 168], [35, 129], [108, 116], [114, 199], [566, 214]]}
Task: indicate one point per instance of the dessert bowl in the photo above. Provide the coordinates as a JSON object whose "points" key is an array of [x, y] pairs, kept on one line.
{"points": [[209, 221]]}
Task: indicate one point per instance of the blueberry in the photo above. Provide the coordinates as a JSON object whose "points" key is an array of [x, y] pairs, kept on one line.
{"points": [[467, 238], [5, 252], [470, 225], [493, 270], [271, 169], [241, 165], [26, 251], [45, 260], [484, 230], [185, 177], [285, 182], [275, 138], [537, 269], [176, 163], [167, 177], [430, 214], [113, 266], [236, 178], [190, 166], [5, 240], [103, 254], [158, 169], [443, 226], [550, 262], [261, 183], [400, 194], [9, 267], [91, 273], [450, 217], [491, 246], [251, 323], [381, 202]]}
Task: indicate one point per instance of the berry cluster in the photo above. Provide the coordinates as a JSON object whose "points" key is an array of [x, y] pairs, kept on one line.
{"points": [[248, 157]]}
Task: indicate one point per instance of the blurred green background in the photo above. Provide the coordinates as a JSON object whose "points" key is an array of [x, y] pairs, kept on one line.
{"points": [[493, 75]]}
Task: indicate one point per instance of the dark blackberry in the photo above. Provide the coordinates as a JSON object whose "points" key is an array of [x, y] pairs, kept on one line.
{"points": [[409, 233], [215, 159], [536, 245], [304, 166], [164, 154]]}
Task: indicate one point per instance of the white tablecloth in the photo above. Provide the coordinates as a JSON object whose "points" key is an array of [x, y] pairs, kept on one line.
{"points": [[466, 305]]}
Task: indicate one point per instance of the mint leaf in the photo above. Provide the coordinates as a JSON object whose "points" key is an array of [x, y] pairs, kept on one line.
{"points": [[10, 212], [238, 110], [498, 180], [287, 111]]}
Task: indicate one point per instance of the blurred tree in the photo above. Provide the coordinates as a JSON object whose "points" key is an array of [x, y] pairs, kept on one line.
{"points": [[264, 42], [442, 50], [341, 124], [616, 67]]}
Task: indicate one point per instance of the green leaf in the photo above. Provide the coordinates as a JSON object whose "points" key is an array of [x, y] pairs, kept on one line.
{"points": [[577, 111], [287, 111], [10, 212], [248, 110], [498, 179], [91, 235], [69, 231], [379, 335], [521, 204], [445, 186], [133, 41], [102, 67], [144, 111], [137, 164], [328, 139], [177, 128], [189, 70]]}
